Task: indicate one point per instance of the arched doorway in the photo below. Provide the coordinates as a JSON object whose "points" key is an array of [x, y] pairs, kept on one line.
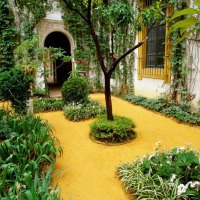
{"points": [[60, 71]]}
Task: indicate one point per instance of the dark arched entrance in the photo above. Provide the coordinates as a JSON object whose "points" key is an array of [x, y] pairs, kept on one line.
{"points": [[61, 70]]}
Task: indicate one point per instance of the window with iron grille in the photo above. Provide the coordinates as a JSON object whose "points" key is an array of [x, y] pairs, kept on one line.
{"points": [[155, 49], [154, 54]]}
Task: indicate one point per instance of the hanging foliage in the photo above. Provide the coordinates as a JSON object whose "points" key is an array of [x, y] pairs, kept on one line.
{"points": [[29, 14], [8, 36], [114, 24], [185, 26]]}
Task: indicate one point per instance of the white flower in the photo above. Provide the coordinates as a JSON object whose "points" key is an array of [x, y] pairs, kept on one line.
{"points": [[173, 178], [179, 149], [182, 189], [195, 184]]}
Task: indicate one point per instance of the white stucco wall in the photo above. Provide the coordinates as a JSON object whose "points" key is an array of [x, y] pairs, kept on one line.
{"points": [[193, 62], [55, 13], [196, 91], [148, 87]]}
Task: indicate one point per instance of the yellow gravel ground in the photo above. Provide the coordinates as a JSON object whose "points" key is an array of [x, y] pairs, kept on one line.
{"points": [[90, 168]]}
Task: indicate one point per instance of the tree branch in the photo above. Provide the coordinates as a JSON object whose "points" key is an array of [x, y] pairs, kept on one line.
{"points": [[75, 10], [99, 51], [89, 10], [114, 64]]}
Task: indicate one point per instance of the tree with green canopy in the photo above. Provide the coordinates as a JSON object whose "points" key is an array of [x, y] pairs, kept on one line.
{"points": [[108, 17]]}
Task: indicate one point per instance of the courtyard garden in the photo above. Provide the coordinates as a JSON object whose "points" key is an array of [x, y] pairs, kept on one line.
{"points": [[98, 139], [160, 161]]}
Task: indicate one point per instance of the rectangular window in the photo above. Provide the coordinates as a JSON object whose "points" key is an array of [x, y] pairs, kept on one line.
{"points": [[155, 51], [154, 54]]}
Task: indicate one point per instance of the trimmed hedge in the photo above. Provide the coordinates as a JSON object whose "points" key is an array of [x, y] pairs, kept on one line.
{"points": [[116, 131], [75, 90]]}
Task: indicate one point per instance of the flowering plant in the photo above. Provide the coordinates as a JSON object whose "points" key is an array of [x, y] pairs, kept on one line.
{"points": [[164, 174]]}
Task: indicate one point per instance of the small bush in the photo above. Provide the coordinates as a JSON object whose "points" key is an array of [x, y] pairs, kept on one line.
{"points": [[116, 131], [75, 90], [47, 104], [165, 174], [15, 86], [78, 111]]}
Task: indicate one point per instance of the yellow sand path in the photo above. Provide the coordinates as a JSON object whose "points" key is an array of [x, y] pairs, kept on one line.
{"points": [[90, 168]]}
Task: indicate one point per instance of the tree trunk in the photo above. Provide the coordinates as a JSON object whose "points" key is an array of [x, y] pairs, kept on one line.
{"points": [[108, 97]]}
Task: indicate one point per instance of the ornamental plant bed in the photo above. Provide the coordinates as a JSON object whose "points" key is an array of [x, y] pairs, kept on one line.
{"points": [[82, 111], [107, 143], [164, 174], [118, 131], [27, 153]]}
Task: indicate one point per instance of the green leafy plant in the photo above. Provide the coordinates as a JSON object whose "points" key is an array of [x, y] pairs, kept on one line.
{"points": [[116, 131], [15, 86], [27, 158], [164, 174], [112, 17], [182, 112], [47, 104], [189, 22], [75, 90], [82, 111]]}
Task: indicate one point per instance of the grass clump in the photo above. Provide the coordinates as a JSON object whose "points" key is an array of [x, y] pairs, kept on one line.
{"points": [[182, 112], [47, 104], [164, 174], [82, 111], [28, 151], [116, 131]]}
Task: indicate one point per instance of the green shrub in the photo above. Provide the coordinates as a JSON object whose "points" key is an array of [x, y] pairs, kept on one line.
{"points": [[8, 125], [75, 90], [47, 104], [15, 86], [165, 174], [182, 112], [118, 130], [24, 157], [78, 111]]}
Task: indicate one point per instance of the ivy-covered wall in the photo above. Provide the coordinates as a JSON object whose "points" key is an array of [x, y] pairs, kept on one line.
{"points": [[86, 58], [185, 70], [8, 36], [185, 73]]}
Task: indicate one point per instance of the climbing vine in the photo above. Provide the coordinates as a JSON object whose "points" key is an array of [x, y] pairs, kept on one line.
{"points": [[28, 15], [182, 71], [8, 36], [123, 38]]}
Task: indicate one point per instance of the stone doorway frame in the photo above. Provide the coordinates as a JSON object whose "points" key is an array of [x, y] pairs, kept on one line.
{"points": [[48, 26]]}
